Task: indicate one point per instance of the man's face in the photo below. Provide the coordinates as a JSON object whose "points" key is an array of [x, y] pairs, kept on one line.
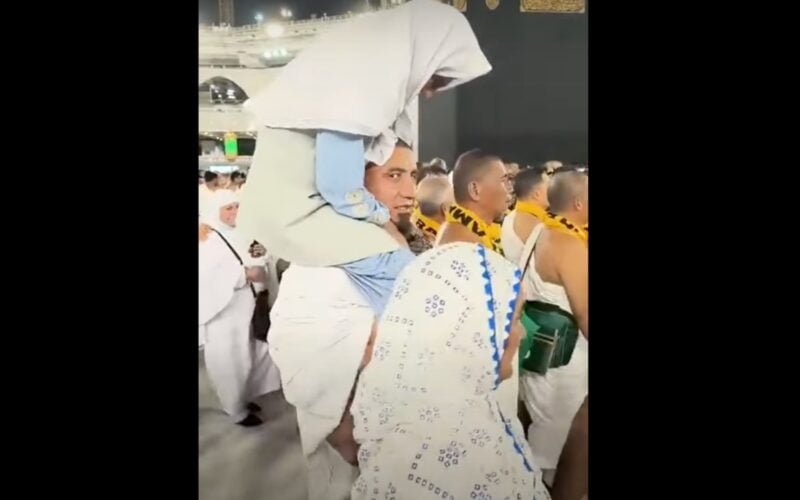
{"points": [[493, 192], [512, 169], [394, 184]]}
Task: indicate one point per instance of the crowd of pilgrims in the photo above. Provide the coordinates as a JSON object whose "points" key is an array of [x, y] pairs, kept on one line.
{"points": [[428, 324]]}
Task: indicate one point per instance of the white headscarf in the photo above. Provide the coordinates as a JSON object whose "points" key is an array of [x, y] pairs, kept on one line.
{"points": [[210, 216], [209, 210], [364, 77], [426, 403]]}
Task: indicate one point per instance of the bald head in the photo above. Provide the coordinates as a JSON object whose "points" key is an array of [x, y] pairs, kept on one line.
{"points": [[568, 192], [435, 195]]}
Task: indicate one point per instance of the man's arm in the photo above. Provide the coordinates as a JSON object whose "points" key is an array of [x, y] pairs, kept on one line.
{"points": [[339, 171], [572, 267]]}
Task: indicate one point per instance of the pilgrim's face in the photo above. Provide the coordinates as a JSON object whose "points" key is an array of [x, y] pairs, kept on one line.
{"points": [[394, 183], [493, 189], [228, 213]]}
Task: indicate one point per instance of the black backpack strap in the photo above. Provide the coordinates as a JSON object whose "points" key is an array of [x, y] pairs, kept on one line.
{"points": [[236, 254]]}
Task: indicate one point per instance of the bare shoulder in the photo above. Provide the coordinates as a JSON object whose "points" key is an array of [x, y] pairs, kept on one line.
{"points": [[571, 254]]}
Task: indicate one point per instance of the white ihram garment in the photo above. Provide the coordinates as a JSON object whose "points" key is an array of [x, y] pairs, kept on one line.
{"points": [[239, 367], [320, 327], [425, 411], [362, 78], [552, 400]]}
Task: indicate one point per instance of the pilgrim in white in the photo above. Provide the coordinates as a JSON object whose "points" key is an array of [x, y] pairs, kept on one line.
{"points": [[239, 367]]}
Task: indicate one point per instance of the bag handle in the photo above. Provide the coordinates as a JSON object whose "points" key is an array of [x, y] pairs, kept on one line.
{"points": [[532, 239], [236, 254]]}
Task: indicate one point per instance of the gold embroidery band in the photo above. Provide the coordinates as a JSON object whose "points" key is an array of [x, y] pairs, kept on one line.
{"points": [[553, 6]]}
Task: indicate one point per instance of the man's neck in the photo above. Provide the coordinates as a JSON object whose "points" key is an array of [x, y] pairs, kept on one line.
{"points": [[485, 215], [533, 201], [572, 216]]}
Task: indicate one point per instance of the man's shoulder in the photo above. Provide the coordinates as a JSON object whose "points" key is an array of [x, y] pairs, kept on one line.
{"points": [[568, 246]]}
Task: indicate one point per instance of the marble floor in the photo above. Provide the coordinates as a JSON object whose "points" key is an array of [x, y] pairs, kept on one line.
{"points": [[258, 463]]}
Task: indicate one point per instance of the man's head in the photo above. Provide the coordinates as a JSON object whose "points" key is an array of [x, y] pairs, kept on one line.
{"points": [[552, 165], [394, 183], [480, 184], [238, 178], [224, 181], [569, 195], [430, 170], [531, 185], [439, 163], [435, 197], [513, 169], [211, 179]]}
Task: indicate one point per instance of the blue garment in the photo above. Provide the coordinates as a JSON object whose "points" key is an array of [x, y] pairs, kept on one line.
{"points": [[374, 276], [339, 173]]}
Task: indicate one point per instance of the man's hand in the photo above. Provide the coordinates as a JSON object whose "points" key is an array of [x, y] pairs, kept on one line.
{"points": [[257, 250]]}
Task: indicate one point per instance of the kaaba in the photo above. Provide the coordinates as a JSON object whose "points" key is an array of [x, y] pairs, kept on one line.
{"points": [[533, 105]]}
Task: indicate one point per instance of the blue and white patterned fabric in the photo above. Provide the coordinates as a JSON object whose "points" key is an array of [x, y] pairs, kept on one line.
{"points": [[425, 411]]}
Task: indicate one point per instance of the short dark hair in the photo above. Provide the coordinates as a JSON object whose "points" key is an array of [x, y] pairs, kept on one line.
{"points": [[235, 175], [438, 162], [470, 166], [399, 144], [527, 179], [430, 170], [210, 176]]}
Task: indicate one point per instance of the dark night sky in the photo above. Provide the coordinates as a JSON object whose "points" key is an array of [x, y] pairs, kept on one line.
{"points": [[245, 10]]}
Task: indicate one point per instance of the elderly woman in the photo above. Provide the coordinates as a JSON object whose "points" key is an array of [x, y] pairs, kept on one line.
{"points": [[426, 413], [239, 367]]}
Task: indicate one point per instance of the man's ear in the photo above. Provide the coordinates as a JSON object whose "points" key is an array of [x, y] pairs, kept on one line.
{"points": [[474, 191]]}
